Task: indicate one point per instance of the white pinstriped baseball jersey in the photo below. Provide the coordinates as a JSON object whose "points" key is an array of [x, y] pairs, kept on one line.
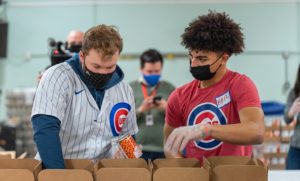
{"points": [[86, 132]]}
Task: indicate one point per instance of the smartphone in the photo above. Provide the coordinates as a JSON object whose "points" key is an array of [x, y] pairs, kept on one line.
{"points": [[156, 98]]}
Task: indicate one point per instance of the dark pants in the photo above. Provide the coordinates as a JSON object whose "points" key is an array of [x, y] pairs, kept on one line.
{"points": [[152, 155], [293, 159]]}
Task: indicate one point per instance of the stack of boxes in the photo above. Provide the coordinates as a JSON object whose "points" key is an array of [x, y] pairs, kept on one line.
{"points": [[18, 106], [274, 150]]}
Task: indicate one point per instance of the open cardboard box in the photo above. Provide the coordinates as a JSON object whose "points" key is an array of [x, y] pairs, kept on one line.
{"points": [[235, 168], [178, 169], [19, 169], [76, 170], [12, 155], [122, 170], [7, 154]]}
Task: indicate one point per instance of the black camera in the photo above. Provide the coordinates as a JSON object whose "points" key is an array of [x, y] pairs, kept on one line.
{"points": [[58, 52]]}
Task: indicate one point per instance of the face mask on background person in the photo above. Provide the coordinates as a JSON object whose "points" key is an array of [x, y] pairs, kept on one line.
{"points": [[203, 72], [96, 79], [152, 79], [75, 48]]}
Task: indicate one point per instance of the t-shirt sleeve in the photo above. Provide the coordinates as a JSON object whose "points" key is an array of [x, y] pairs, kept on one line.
{"points": [[51, 94], [245, 93], [173, 117]]}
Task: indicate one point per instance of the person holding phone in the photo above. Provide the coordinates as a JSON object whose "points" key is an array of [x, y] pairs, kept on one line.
{"points": [[151, 94]]}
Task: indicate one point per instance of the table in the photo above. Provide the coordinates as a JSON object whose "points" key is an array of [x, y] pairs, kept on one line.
{"points": [[283, 175]]}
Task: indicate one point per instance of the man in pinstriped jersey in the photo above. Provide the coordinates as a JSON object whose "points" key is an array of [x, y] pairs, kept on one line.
{"points": [[81, 105]]}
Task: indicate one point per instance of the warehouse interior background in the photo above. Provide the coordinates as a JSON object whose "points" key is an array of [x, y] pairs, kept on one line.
{"points": [[271, 28]]}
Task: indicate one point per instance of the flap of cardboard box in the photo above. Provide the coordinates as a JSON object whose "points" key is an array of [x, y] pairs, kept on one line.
{"points": [[123, 174], [231, 160], [82, 164], [32, 165], [16, 175], [226, 160], [122, 163], [180, 173], [178, 169], [257, 162], [239, 173], [65, 175], [122, 170], [7, 154], [176, 162], [223, 168]]}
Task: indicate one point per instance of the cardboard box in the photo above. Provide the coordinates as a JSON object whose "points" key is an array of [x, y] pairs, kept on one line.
{"points": [[178, 169], [235, 168], [16, 175], [7, 154], [11, 154], [122, 170], [76, 170], [19, 169]]}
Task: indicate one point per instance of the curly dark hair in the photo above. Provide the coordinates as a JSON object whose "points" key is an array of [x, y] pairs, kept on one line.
{"points": [[214, 32]]}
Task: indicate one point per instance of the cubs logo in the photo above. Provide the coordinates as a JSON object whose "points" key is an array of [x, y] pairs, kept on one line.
{"points": [[207, 113], [118, 117]]}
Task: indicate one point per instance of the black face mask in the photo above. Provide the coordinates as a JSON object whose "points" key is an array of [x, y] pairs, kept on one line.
{"points": [[97, 80], [75, 48], [203, 72]]}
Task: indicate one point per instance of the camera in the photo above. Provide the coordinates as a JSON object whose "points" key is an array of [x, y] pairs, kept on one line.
{"points": [[58, 52]]}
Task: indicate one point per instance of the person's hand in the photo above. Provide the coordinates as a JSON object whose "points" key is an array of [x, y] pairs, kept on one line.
{"points": [[146, 105], [180, 137], [119, 154], [39, 76], [161, 104], [295, 108]]}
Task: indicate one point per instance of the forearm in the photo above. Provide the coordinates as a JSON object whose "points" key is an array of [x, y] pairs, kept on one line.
{"points": [[288, 114], [288, 118], [46, 137], [241, 133]]}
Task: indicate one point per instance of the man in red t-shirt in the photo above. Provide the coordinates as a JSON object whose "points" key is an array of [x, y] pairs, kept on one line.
{"points": [[218, 113]]}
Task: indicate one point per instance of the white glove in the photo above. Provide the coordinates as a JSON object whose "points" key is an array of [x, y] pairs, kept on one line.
{"points": [[295, 108], [180, 137]]}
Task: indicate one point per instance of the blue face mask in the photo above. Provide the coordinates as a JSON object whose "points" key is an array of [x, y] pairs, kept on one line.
{"points": [[152, 79]]}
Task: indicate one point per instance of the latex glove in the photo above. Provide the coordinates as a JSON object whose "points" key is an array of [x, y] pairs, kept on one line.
{"points": [[180, 137], [295, 108]]}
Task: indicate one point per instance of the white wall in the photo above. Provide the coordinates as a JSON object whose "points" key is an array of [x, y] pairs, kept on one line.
{"points": [[272, 27]]}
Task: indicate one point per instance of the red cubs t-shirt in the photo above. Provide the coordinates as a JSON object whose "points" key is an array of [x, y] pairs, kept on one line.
{"points": [[217, 104]]}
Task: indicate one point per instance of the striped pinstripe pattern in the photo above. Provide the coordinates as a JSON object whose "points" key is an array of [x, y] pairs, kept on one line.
{"points": [[85, 130]]}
